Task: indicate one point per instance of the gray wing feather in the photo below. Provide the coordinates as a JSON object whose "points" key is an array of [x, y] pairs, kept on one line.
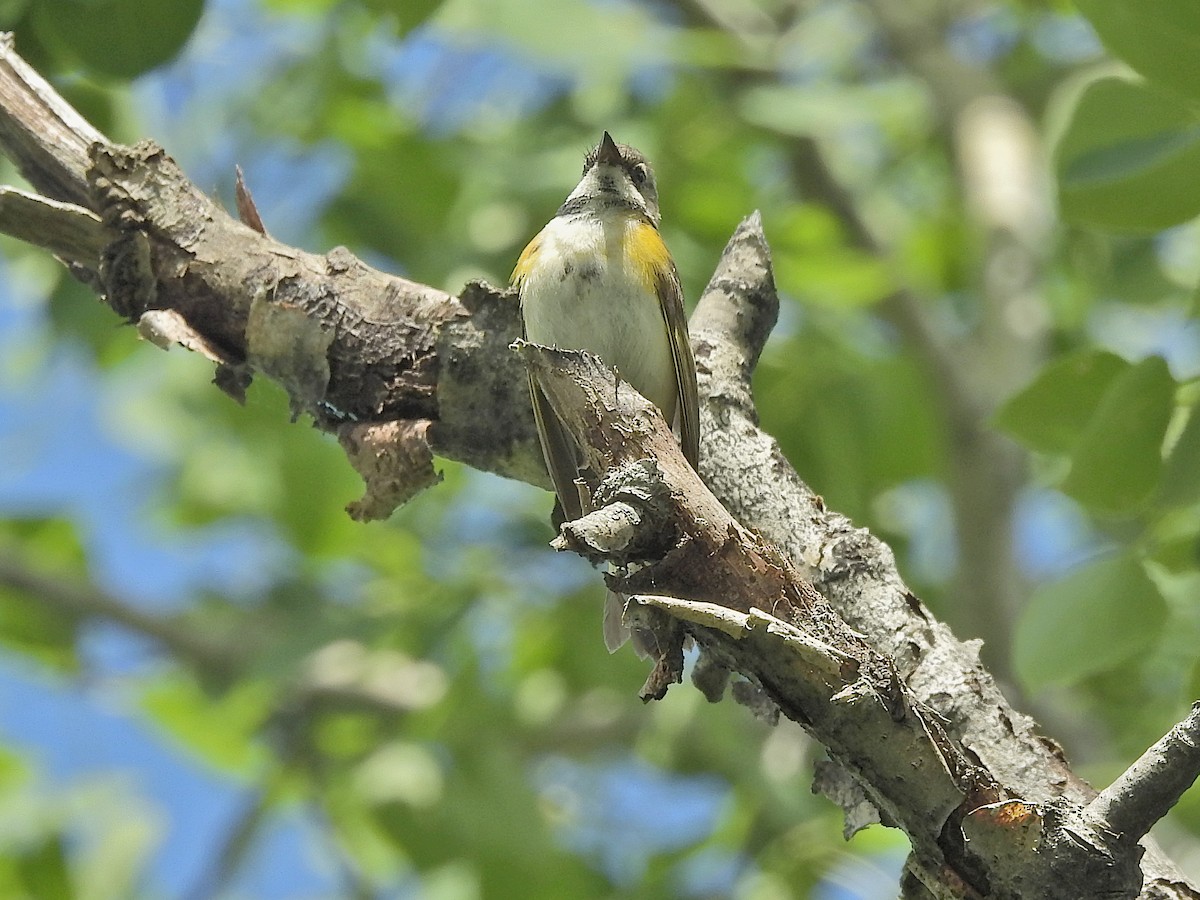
{"points": [[559, 452], [671, 295]]}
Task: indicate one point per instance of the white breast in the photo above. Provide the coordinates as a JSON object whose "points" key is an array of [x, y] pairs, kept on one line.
{"points": [[579, 297]]}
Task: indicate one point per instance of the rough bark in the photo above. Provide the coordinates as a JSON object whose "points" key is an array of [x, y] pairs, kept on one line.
{"points": [[810, 609]]}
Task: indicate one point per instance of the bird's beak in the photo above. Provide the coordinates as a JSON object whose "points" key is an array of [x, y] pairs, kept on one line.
{"points": [[609, 153]]}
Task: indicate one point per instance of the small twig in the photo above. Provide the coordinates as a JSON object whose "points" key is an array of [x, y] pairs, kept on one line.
{"points": [[1145, 791], [234, 848], [83, 600]]}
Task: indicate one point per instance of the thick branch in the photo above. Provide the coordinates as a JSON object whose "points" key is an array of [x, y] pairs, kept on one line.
{"points": [[350, 343], [856, 572], [745, 602], [752, 612]]}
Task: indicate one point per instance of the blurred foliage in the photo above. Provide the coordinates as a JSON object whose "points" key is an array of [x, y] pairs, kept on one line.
{"points": [[433, 689], [1129, 153], [112, 38]]}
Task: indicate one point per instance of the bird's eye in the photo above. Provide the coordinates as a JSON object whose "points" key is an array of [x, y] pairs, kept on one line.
{"points": [[639, 174]]}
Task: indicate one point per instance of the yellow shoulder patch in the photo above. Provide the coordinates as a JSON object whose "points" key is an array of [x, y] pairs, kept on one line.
{"points": [[525, 261], [647, 254]]}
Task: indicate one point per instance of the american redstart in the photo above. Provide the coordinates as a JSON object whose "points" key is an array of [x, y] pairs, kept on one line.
{"points": [[599, 278]]}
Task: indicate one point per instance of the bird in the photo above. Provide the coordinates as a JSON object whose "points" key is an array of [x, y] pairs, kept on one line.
{"points": [[598, 277]]}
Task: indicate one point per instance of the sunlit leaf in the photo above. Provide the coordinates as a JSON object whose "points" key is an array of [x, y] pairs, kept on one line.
{"points": [[813, 109], [1051, 413], [1117, 462], [1181, 474], [1158, 38], [221, 730], [610, 40], [1129, 158], [1093, 620], [118, 846]]}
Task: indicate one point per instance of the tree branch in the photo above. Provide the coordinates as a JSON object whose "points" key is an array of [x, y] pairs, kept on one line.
{"points": [[856, 572], [70, 232], [342, 673], [235, 847], [752, 613], [1151, 786], [85, 601], [42, 133]]}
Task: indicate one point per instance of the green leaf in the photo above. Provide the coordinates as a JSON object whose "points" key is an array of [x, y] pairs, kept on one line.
{"points": [[11, 12], [1119, 457], [1050, 414], [221, 730], [1093, 620], [114, 837], [1129, 158], [814, 261], [43, 869], [404, 17], [407, 15], [301, 7], [609, 40], [898, 106], [1158, 38], [1181, 473], [121, 38]]}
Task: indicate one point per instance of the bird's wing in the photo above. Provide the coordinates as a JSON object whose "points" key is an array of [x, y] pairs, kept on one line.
{"points": [[559, 452], [557, 447], [670, 296]]}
